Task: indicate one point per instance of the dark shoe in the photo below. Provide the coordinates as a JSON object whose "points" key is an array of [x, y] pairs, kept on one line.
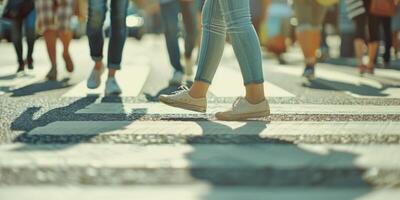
{"points": [[370, 70], [30, 63], [309, 73], [52, 75], [21, 67], [362, 69]]}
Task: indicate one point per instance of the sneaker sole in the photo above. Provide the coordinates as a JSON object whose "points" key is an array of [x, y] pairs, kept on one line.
{"points": [[182, 105], [244, 116]]}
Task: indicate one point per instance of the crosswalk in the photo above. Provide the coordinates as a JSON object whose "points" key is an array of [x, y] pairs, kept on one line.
{"points": [[125, 149]]}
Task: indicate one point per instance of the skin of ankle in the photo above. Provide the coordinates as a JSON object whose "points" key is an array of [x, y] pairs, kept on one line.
{"points": [[98, 65], [111, 73]]}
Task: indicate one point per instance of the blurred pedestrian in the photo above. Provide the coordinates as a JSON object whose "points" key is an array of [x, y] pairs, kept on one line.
{"points": [[22, 14], [276, 29], [222, 17], [367, 31], [170, 10], [396, 32], [310, 15], [97, 15], [258, 10], [54, 19]]}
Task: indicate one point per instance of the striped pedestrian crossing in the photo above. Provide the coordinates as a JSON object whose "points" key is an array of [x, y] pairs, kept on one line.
{"points": [[282, 109]]}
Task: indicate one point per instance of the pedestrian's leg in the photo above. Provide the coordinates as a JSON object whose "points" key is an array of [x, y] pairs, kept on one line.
{"points": [[189, 18], [17, 41], [189, 15], [64, 13], [373, 44], [169, 15], [387, 29], [211, 48], [30, 23], [50, 37], [96, 17], [246, 46], [117, 35], [66, 37]]}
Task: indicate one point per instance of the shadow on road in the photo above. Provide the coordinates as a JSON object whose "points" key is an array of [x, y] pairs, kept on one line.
{"points": [[363, 90], [40, 87], [248, 170], [27, 122]]}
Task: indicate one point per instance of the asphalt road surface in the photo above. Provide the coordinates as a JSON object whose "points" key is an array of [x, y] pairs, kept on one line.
{"points": [[338, 138]]}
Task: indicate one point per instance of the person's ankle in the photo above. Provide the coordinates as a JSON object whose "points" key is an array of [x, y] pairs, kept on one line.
{"points": [[196, 95], [254, 101], [98, 65]]}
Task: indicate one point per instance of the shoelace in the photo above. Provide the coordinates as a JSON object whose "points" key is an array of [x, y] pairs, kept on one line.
{"points": [[236, 102], [182, 88]]}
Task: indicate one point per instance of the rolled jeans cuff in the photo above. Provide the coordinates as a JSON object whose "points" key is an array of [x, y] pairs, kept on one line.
{"points": [[97, 58], [114, 66]]}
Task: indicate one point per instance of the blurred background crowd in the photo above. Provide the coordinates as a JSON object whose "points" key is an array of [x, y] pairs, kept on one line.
{"points": [[322, 29]]}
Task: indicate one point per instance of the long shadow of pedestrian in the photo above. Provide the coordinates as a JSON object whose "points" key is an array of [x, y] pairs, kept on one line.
{"points": [[40, 87], [254, 168], [46, 129], [364, 90]]}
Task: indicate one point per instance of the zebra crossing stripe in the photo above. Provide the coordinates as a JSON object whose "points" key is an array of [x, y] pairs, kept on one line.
{"points": [[211, 156], [309, 109], [359, 87], [130, 79], [193, 192], [199, 128], [229, 83]]}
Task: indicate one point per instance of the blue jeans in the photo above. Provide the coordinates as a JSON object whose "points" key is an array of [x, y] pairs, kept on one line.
{"points": [[222, 17], [17, 34], [169, 14], [97, 15]]}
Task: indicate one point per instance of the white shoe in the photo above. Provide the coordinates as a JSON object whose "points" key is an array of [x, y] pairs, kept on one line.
{"points": [[189, 67], [94, 79], [112, 87], [242, 110], [182, 99], [177, 78]]}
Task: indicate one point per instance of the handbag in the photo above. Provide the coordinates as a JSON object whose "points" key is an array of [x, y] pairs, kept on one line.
{"points": [[327, 2], [385, 8], [18, 9]]}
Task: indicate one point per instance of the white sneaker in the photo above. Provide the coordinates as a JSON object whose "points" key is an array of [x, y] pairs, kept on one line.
{"points": [[94, 79], [112, 87], [189, 67], [242, 110], [177, 78], [182, 99]]}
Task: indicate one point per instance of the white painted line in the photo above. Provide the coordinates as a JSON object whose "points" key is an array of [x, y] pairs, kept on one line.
{"points": [[229, 83], [202, 156], [130, 79], [360, 87], [192, 192], [199, 128], [310, 109]]}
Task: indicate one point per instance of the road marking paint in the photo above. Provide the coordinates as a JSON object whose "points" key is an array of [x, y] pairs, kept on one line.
{"points": [[360, 87], [172, 156], [199, 128], [304, 109], [229, 83], [130, 79]]}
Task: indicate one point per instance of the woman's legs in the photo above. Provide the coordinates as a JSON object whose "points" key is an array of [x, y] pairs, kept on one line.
{"points": [[236, 15], [30, 29]]}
